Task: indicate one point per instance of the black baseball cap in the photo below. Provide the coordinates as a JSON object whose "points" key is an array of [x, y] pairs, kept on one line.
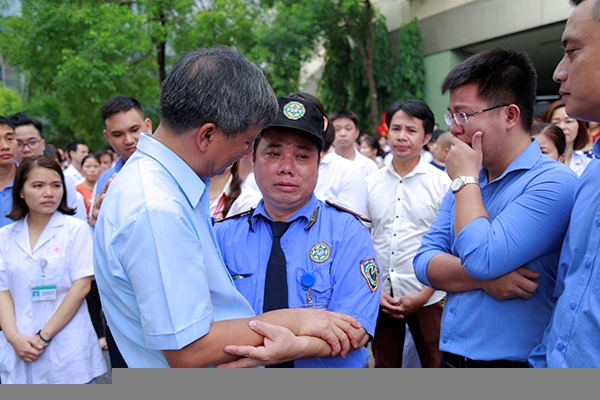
{"points": [[301, 116]]}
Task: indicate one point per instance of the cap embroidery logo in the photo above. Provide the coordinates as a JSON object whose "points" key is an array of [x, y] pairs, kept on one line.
{"points": [[294, 110]]}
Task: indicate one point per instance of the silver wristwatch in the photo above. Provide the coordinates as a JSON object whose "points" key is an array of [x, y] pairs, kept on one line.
{"points": [[460, 181]]}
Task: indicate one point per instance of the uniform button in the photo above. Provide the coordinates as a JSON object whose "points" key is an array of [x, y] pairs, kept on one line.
{"points": [[398, 198], [445, 340], [30, 260], [396, 216], [560, 347], [29, 315], [391, 270], [587, 264], [485, 192], [394, 234], [598, 222], [392, 252], [573, 305], [451, 309]]}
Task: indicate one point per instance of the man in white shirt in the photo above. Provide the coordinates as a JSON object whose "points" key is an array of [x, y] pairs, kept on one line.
{"points": [[345, 124], [76, 151], [404, 198]]}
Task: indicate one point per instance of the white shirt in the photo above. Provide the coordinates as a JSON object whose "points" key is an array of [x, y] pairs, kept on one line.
{"points": [[402, 210], [579, 161], [75, 174], [75, 199], [341, 182], [366, 165], [247, 199], [74, 355]]}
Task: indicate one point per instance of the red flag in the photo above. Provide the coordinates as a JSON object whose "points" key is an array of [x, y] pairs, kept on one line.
{"points": [[382, 129]]}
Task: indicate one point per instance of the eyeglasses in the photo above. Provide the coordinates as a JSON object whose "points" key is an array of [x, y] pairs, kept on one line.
{"points": [[31, 143], [462, 118]]}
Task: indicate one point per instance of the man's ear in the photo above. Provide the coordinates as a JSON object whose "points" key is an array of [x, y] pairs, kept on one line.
{"points": [[427, 138], [205, 135], [148, 124], [513, 113]]}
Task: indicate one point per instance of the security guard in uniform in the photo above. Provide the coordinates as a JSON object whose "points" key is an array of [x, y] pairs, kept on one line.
{"points": [[328, 258]]}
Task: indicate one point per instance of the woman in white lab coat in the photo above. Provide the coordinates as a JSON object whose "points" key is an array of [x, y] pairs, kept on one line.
{"points": [[45, 273]]}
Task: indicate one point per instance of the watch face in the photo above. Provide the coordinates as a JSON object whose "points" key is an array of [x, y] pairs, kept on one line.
{"points": [[456, 184]]}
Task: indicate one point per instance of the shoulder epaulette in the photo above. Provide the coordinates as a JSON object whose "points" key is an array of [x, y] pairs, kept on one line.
{"points": [[235, 215], [360, 217]]}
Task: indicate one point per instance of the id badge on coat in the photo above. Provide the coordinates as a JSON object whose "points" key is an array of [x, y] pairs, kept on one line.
{"points": [[43, 292]]}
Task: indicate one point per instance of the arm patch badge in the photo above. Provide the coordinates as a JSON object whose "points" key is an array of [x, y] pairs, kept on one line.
{"points": [[370, 270]]}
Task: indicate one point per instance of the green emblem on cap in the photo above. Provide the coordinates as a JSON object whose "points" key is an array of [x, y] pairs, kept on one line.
{"points": [[294, 110]]}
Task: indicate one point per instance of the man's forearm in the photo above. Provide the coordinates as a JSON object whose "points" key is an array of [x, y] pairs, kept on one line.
{"points": [[445, 272]]}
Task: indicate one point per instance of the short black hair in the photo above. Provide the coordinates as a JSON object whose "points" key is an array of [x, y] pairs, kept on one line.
{"points": [[216, 85], [343, 113], [502, 76], [7, 122], [73, 147], [414, 108], [21, 119], [19, 206], [118, 104]]}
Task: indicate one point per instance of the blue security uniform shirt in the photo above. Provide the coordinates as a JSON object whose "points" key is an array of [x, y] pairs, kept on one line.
{"points": [[528, 208], [572, 337], [6, 204], [160, 274], [332, 245]]}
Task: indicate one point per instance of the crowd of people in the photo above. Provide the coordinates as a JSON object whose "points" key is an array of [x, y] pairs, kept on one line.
{"points": [[249, 230]]}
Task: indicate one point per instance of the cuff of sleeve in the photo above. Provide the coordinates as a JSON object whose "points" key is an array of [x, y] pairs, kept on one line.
{"points": [[420, 266], [180, 339], [464, 244]]}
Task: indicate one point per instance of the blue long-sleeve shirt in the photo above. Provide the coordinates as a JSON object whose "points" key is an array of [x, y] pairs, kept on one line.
{"points": [[528, 208], [571, 338]]}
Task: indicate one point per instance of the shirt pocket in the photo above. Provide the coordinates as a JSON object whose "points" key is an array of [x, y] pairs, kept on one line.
{"points": [[56, 271], [244, 280], [320, 291]]}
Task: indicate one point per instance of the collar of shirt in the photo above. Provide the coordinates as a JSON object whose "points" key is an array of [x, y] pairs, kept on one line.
{"points": [[191, 184], [306, 211], [525, 160], [418, 169], [21, 230]]}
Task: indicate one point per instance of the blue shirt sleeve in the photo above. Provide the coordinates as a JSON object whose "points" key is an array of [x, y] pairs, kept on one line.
{"points": [[529, 227], [157, 251]]}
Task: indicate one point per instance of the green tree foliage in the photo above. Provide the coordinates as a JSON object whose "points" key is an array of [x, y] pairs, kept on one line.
{"points": [[10, 102], [397, 77], [76, 54]]}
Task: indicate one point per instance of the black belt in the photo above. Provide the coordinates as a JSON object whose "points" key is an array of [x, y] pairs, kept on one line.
{"points": [[455, 361]]}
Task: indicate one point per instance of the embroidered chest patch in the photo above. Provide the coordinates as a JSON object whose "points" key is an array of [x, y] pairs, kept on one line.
{"points": [[320, 252], [370, 270]]}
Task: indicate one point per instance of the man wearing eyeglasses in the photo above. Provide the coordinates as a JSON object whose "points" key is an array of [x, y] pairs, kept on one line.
{"points": [[495, 243], [28, 132]]}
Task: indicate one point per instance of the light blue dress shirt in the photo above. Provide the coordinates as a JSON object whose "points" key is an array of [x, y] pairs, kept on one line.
{"points": [[160, 275], [528, 208], [6, 204], [571, 339], [331, 245]]}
